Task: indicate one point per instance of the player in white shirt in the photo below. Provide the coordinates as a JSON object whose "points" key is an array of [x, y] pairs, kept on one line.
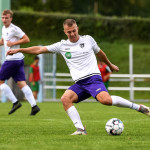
{"points": [[12, 37], [79, 54]]}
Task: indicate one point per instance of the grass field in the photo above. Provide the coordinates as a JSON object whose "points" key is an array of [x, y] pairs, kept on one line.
{"points": [[51, 128]]}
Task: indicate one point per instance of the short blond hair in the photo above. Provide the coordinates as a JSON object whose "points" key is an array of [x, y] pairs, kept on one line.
{"points": [[69, 22], [7, 11]]}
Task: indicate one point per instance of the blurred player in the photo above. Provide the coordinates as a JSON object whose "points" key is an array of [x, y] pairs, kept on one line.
{"points": [[79, 54], [12, 37], [34, 76], [105, 73]]}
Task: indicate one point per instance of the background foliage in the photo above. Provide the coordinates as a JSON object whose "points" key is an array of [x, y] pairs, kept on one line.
{"points": [[47, 25], [105, 7], [113, 24]]}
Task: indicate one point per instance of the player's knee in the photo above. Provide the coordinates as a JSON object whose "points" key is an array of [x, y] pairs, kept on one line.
{"points": [[106, 101], [64, 99]]}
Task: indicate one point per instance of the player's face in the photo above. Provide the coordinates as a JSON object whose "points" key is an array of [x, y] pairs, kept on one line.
{"points": [[6, 19], [36, 61], [72, 32]]}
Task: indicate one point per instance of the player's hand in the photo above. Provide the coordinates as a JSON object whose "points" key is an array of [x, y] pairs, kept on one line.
{"points": [[105, 78], [33, 83], [9, 43], [12, 51], [114, 68]]}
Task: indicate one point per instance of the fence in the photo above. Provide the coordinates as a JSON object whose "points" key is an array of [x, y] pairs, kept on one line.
{"points": [[52, 81], [65, 77], [53, 78]]}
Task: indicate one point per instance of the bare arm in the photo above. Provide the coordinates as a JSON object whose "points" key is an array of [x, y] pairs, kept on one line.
{"points": [[102, 56], [106, 77], [23, 40], [30, 50], [1, 42]]}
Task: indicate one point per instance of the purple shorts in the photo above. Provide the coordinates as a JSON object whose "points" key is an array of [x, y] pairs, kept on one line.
{"points": [[14, 69], [90, 86]]}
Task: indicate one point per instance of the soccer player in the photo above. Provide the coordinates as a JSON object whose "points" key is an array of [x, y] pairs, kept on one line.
{"points": [[34, 76], [12, 37], [79, 54], [105, 73]]}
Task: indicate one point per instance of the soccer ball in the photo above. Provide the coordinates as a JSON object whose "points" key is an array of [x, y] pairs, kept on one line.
{"points": [[114, 126]]}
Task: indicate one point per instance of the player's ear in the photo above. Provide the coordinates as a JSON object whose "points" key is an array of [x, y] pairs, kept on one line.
{"points": [[77, 28], [65, 31], [11, 18]]}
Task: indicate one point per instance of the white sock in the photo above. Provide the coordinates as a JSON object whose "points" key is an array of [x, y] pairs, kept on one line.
{"points": [[74, 116], [8, 92], [121, 102], [28, 94]]}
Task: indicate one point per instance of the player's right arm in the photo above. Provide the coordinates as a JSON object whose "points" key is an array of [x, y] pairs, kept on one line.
{"points": [[1, 42], [30, 50], [102, 56]]}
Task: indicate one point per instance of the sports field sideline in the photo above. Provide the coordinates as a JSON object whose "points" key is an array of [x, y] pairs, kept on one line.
{"points": [[51, 128]]}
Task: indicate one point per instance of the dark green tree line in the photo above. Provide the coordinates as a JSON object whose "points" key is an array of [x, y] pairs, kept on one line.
{"points": [[104, 7]]}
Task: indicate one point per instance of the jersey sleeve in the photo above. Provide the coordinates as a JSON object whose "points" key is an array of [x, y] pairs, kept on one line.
{"points": [[108, 69], [2, 33], [18, 32], [30, 70], [95, 47], [54, 48]]}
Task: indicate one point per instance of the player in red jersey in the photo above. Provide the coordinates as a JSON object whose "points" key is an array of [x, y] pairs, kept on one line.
{"points": [[105, 73], [34, 76]]}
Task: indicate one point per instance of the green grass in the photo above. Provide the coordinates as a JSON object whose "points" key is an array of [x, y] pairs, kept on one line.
{"points": [[51, 128]]}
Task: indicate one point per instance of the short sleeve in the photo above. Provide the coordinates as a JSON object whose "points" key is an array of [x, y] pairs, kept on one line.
{"points": [[54, 48], [30, 70], [108, 69], [95, 47], [18, 32], [2, 36]]}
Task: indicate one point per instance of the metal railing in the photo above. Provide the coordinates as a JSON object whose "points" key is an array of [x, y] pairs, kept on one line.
{"points": [[65, 77]]}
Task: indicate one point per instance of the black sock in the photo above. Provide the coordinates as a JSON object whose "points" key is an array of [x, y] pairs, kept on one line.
{"points": [[34, 106], [16, 102]]}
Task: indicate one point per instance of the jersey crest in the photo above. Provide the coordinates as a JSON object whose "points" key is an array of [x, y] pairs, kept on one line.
{"points": [[82, 45]]}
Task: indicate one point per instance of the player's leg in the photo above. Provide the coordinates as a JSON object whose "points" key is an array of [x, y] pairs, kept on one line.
{"points": [[99, 91], [68, 98], [35, 94], [106, 99], [29, 96], [19, 78], [121, 102], [7, 91], [6, 71], [9, 94], [35, 89]]}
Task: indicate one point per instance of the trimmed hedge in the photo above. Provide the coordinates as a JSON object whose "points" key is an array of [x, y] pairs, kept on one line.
{"points": [[49, 25]]}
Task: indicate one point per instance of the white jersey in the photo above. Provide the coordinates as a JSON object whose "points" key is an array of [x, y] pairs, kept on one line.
{"points": [[12, 33], [79, 56]]}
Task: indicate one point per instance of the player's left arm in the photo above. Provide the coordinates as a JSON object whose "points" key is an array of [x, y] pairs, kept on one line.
{"points": [[29, 50], [23, 40], [102, 56], [1, 42]]}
